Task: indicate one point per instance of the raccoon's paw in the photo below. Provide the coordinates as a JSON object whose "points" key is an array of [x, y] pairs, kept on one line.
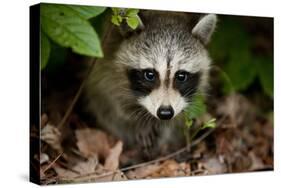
{"points": [[148, 143], [52, 136]]}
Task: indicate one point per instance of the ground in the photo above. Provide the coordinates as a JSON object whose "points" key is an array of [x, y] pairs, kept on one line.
{"points": [[242, 141]]}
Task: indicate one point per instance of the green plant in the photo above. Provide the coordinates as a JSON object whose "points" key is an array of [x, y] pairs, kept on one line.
{"points": [[232, 49], [71, 26], [129, 15], [196, 109]]}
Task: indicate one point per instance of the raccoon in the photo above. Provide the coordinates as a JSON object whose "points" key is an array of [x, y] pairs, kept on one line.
{"points": [[139, 91]]}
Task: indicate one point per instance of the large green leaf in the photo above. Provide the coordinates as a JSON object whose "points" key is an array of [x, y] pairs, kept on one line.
{"points": [[69, 29], [45, 48], [87, 12]]}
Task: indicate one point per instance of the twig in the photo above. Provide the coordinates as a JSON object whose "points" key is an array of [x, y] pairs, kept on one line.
{"points": [[52, 163], [77, 95]]}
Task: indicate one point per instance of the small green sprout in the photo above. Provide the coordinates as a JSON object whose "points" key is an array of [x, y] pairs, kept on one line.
{"points": [[130, 15], [196, 109]]}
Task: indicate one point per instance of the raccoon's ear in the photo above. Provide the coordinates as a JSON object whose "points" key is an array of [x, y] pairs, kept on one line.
{"points": [[127, 31], [204, 29]]}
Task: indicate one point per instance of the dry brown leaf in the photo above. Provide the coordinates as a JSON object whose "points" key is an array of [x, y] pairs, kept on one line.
{"points": [[112, 160], [90, 171], [257, 163], [91, 142], [171, 168], [143, 172], [52, 136], [214, 166], [80, 168], [44, 158]]}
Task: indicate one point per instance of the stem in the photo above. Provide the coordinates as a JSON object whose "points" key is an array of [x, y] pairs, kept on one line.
{"points": [[77, 95], [224, 74]]}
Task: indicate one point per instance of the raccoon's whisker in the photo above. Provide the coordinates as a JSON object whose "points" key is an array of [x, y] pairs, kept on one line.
{"points": [[189, 91], [141, 116], [135, 113], [146, 117]]}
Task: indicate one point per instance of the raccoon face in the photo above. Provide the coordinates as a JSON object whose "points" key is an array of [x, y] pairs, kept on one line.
{"points": [[167, 65]]}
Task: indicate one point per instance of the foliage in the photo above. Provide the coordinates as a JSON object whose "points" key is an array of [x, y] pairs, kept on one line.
{"points": [[209, 124], [46, 50], [266, 74], [197, 107], [232, 46], [73, 26], [68, 26], [129, 15], [195, 110]]}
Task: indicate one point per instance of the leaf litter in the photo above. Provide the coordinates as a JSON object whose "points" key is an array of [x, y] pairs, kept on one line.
{"points": [[242, 142]]}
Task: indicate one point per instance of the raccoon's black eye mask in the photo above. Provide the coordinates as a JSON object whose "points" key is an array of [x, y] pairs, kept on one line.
{"points": [[143, 81], [186, 83]]}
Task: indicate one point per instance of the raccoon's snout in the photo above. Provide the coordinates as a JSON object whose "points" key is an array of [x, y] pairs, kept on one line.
{"points": [[165, 112]]}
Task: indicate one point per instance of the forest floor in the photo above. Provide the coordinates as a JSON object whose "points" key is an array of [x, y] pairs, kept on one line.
{"points": [[241, 142]]}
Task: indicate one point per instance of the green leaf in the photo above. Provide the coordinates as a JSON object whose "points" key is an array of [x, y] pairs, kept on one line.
{"points": [[45, 48], [86, 12], [209, 124], [132, 12], [115, 11], [57, 57], [115, 19], [196, 108], [133, 22], [236, 58], [64, 26], [265, 71]]}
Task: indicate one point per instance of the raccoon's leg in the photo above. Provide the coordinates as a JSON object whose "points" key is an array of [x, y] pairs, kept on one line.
{"points": [[147, 141], [158, 140]]}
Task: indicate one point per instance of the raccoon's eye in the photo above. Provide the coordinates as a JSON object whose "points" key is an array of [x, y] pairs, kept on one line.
{"points": [[181, 76], [149, 75]]}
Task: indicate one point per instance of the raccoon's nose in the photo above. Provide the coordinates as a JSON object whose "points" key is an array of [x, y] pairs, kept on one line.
{"points": [[165, 112]]}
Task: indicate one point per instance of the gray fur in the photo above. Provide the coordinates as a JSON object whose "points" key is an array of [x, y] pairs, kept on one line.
{"points": [[205, 28]]}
